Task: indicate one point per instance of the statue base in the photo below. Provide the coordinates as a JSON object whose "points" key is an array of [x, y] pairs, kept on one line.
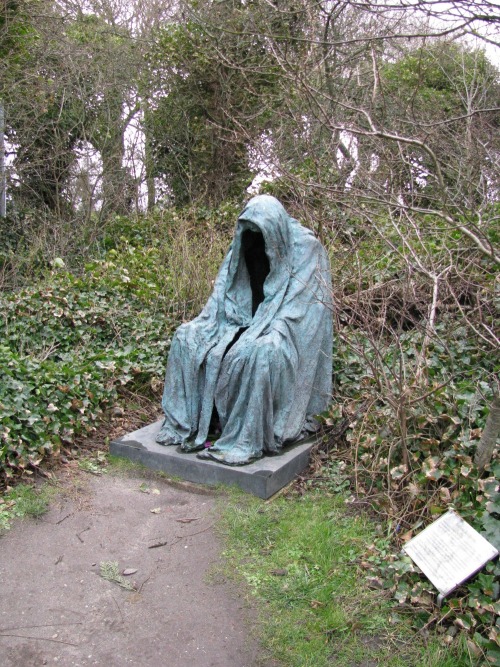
{"points": [[263, 478]]}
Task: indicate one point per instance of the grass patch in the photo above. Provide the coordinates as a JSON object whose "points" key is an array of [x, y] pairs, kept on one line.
{"points": [[24, 500], [299, 559], [120, 466]]}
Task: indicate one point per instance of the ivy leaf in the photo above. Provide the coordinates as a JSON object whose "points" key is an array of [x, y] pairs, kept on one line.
{"points": [[493, 506], [430, 468], [491, 530]]}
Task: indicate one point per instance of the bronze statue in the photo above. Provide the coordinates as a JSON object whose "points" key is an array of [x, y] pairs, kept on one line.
{"points": [[256, 364]]}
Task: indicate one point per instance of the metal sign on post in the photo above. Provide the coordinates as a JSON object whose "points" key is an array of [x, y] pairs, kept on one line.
{"points": [[449, 552]]}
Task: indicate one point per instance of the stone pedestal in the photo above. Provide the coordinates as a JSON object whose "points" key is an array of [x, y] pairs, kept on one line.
{"points": [[263, 478]]}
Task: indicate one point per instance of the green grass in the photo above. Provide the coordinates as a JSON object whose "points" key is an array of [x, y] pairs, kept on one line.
{"points": [[298, 557], [120, 466], [24, 500]]}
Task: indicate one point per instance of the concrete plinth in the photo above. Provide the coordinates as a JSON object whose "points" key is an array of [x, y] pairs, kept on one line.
{"points": [[263, 478]]}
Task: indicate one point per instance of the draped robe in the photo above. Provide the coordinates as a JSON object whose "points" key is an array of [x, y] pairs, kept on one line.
{"points": [[259, 355]]}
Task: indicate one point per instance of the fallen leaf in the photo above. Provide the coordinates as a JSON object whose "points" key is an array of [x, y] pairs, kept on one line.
{"points": [[375, 582], [128, 571], [315, 604], [422, 599], [156, 510], [155, 492], [474, 649], [445, 495], [413, 489]]}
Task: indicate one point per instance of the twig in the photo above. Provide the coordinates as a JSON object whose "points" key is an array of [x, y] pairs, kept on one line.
{"points": [[117, 606], [433, 619], [191, 534], [64, 517], [144, 582], [44, 625], [82, 531], [158, 544], [365, 407], [45, 639]]}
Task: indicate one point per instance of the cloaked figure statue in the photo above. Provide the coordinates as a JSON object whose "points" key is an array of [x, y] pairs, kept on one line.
{"points": [[256, 364]]}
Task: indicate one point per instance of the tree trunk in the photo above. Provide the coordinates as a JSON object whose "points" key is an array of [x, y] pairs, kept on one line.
{"points": [[149, 159], [116, 186], [489, 438], [3, 185]]}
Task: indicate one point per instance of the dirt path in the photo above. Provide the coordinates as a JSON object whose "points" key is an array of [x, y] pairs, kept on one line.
{"points": [[55, 609]]}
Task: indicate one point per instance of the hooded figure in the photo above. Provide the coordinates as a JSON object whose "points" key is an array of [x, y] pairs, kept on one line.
{"points": [[259, 356]]}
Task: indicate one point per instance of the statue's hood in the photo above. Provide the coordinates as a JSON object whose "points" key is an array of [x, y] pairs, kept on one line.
{"points": [[266, 215]]}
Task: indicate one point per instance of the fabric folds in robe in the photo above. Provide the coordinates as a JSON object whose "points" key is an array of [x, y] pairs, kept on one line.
{"points": [[259, 356]]}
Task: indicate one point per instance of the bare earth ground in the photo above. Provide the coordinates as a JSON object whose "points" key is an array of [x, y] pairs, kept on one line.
{"points": [[55, 609]]}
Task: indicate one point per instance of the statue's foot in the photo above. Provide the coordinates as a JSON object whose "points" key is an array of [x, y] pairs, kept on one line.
{"points": [[191, 446], [233, 457], [165, 439]]}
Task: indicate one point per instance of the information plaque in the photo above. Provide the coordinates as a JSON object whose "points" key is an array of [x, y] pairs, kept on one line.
{"points": [[449, 552]]}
